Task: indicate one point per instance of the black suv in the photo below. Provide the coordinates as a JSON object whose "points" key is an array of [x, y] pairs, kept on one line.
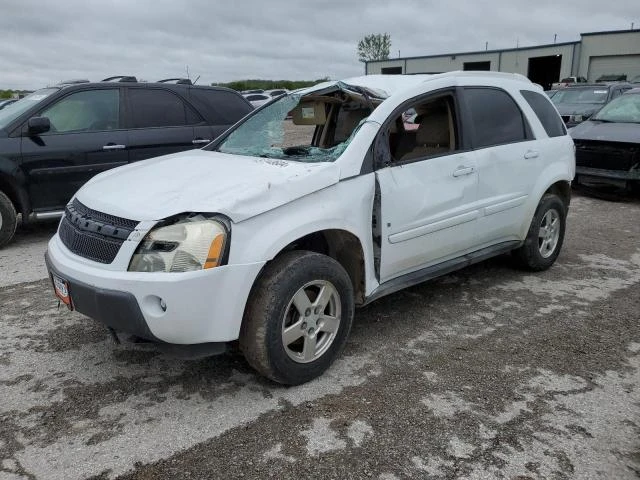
{"points": [[55, 139]]}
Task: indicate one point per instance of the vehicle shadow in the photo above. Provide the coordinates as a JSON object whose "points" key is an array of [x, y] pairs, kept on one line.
{"points": [[610, 194]]}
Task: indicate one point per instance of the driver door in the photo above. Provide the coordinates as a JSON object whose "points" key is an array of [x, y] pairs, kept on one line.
{"points": [[86, 138], [428, 190]]}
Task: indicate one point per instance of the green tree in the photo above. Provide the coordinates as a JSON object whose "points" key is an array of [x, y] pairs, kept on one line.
{"points": [[374, 47]]}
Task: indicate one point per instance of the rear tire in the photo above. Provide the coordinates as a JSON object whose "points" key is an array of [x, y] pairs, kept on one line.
{"points": [[298, 317], [8, 220], [545, 237]]}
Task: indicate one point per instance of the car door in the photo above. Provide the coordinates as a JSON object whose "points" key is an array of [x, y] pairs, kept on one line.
{"points": [[427, 188], [508, 161], [86, 138], [160, 123]]}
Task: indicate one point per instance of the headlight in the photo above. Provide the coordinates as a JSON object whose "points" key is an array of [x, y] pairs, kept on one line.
{"points": [[191, 243]]}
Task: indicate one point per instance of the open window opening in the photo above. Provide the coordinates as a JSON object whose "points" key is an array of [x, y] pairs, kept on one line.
{"points": [[316, 127], [424, 130]]}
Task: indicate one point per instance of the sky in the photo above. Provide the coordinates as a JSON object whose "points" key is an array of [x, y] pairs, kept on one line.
{"points": [[45, 42]]}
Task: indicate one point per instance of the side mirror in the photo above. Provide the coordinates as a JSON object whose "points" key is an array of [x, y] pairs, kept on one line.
{"points": [[38, 125]]}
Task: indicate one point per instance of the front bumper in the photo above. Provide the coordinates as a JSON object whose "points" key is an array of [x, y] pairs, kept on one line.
{"points": [[601, 175], [200, 307]]}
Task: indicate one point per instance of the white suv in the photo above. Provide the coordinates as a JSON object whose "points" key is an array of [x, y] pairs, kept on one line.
{"points": [[273, 233]]}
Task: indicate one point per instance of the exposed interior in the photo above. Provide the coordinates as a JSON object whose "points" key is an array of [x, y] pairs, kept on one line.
{"points": [[312, 128]]}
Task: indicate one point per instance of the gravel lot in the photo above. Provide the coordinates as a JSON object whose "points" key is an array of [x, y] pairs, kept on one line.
{"points": [[486, 373]]}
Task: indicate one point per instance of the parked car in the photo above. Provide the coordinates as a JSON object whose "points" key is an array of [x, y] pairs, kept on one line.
{"points": [[578, 103], [565, 82], [258, 99], [55, 139], [272, 234], [277, 92], [6, 103], [608, 144]]}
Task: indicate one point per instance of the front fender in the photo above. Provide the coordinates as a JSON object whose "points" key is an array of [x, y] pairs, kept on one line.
{"points": [[346, 206]]}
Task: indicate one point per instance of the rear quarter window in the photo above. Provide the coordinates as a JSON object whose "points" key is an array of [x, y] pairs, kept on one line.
{"points": [[219, 106], [551, 121]]}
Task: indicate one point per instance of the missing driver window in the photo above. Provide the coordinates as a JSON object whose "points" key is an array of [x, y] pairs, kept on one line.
{"points": [[424, 130]]}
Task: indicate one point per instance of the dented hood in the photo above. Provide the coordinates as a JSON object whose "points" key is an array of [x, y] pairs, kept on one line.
{"points": [[200, 181]]}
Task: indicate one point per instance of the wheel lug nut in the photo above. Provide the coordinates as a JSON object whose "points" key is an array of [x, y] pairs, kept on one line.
{"points": [[317, 310], [303, 326], [307, 312], [310, 332]]}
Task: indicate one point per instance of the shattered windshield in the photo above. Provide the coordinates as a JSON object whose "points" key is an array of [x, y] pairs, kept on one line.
{"points": [[624, 109], [304, 128]]}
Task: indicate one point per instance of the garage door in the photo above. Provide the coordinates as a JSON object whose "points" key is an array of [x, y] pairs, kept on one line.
{"points": [[628, 65]]}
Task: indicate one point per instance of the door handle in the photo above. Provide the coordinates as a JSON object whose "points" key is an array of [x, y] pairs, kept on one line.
{"points": [[200, 141], [113, 146], [461, 171], [531, 154]]}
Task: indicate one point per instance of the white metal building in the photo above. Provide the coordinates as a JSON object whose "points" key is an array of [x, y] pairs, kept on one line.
{"points": [[595, 55]]}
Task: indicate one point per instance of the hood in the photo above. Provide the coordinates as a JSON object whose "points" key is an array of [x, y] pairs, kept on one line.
{"points": [[607, 131], [586, 109], [200, 181]]}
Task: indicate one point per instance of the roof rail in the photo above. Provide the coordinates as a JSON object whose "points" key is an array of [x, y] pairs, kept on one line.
{"points": [[121, 78], [178, 81], [73, 81]]}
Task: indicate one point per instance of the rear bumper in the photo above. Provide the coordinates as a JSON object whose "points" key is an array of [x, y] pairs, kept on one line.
{"points": [[197, 307]]}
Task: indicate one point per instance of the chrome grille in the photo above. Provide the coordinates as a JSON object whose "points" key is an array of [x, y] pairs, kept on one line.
{"points": [[93, 235]]}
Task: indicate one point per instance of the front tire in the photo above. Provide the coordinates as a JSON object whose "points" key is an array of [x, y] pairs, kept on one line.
{"points": [[8, 220], [545, 237], [298, 317]]}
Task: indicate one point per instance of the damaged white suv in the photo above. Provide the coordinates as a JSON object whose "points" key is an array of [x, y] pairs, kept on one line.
{"points": [[273, 233]]}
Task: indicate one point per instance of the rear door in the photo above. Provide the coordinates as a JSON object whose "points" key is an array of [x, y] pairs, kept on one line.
{"points": [[161, 122], [221, 109], [508, 161], [86, 138]]}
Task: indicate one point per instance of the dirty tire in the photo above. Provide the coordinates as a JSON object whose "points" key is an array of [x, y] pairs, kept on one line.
{"points": [[8, 220], [261, 336], [529, 256]]}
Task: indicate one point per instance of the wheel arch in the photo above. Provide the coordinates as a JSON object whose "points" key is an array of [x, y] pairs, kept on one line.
{"points": [[341, 245], [561, 188], [17, 196]]}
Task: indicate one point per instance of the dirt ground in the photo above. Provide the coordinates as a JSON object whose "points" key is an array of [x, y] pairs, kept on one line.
{"points": [[486, 373]]}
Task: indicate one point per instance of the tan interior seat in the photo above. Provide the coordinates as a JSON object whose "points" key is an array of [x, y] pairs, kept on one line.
{"points": [[432, 136]]}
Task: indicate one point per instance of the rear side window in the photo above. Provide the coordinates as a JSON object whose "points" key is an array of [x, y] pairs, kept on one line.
{"points": [[220, 106], [540, 104], [496, 117], [159, 108]]}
